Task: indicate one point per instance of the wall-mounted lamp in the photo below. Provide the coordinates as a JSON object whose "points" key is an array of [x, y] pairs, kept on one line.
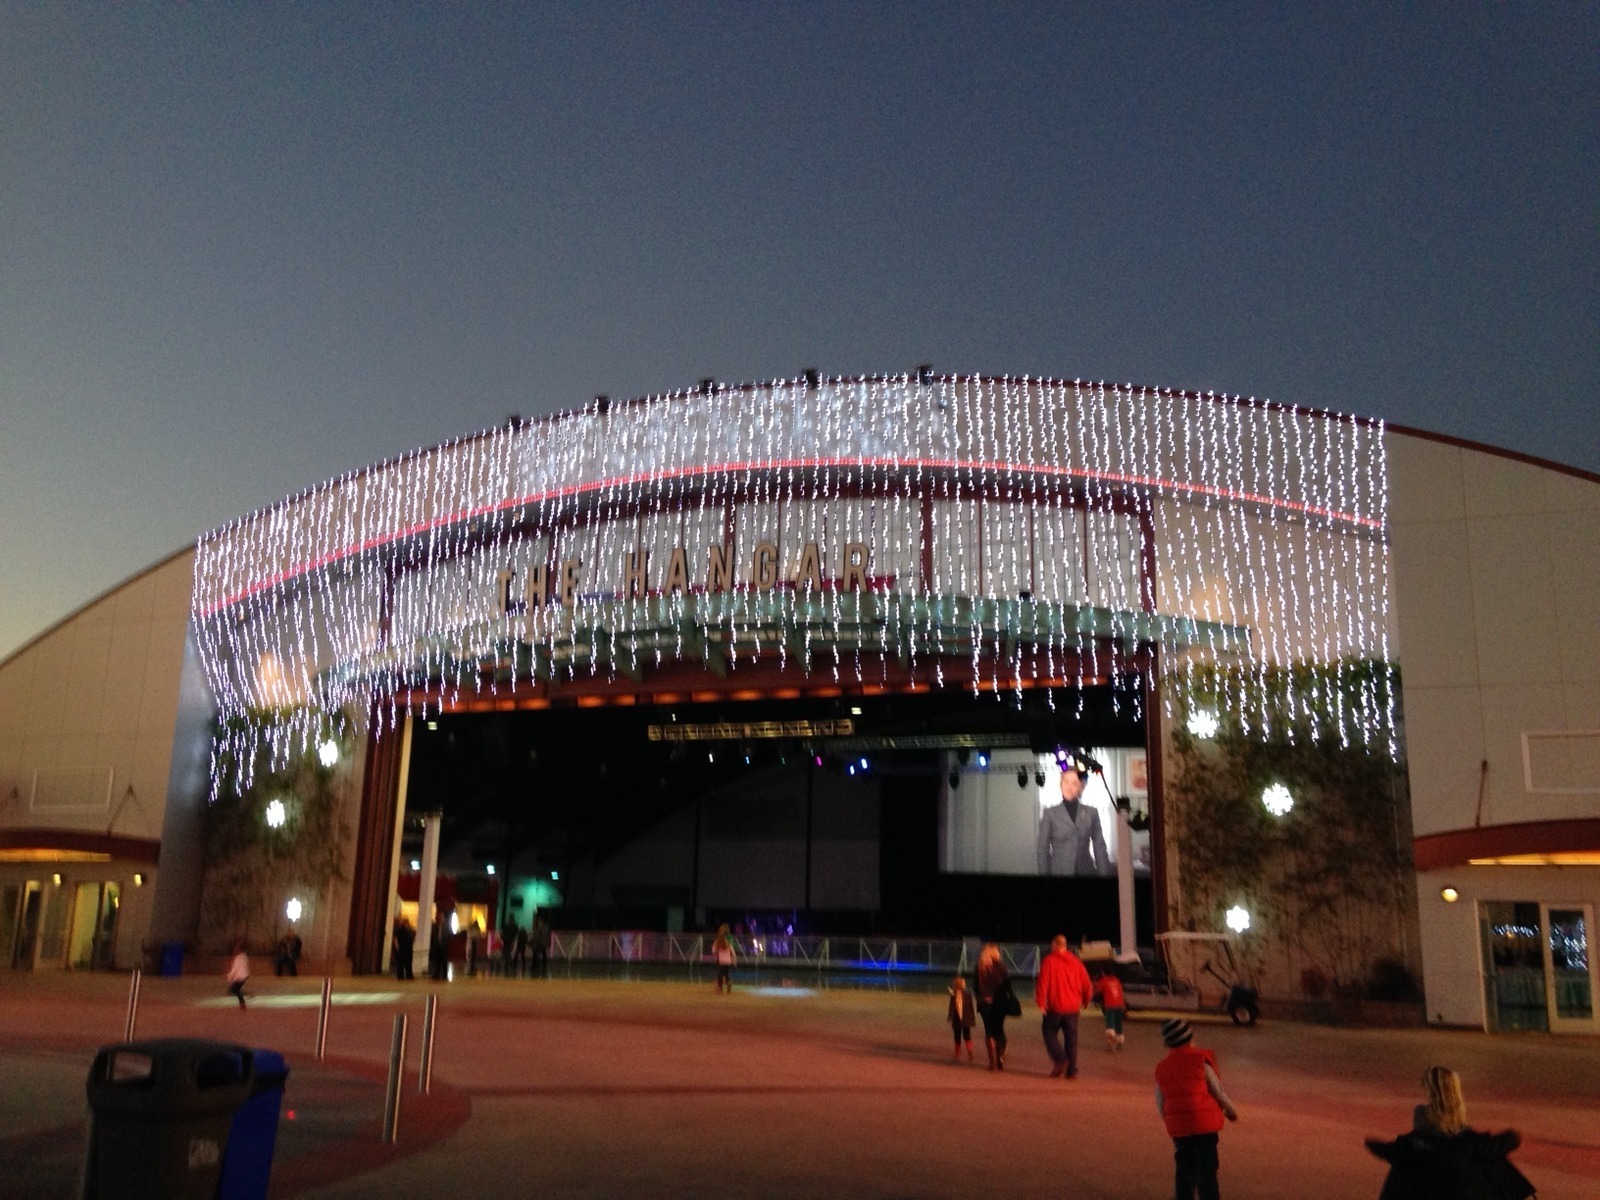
{"points": [[56, 879], [1449, 895], [138, 879]]}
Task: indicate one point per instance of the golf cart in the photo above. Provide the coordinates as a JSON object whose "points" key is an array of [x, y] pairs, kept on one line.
{"points": [[1178, 977]]}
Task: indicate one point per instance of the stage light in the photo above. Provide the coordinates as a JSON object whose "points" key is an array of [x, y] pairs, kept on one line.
{"points": [[1238, 919], [1038, 778], [1022, 777], [955, 780]]}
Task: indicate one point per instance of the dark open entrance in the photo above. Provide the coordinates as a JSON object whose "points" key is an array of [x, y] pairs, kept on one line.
{"points": [[823, 813]]}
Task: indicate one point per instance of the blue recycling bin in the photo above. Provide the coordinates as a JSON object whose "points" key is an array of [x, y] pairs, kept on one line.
{"points": [[171, 959], [247, 1162]]}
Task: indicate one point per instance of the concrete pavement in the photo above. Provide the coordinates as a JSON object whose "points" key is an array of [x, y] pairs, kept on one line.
{"points": [[592, 1088]]}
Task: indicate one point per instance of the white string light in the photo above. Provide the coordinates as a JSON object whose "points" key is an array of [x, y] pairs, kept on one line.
{"points": [[1267, 527]]}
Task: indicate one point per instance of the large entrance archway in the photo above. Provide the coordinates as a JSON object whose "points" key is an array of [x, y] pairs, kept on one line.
{"points": [[836, 809]]}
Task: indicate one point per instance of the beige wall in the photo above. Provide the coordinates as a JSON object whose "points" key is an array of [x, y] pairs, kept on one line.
{"points": [[1496, 584], [87, 715], [97, 696], [1496, 581]]}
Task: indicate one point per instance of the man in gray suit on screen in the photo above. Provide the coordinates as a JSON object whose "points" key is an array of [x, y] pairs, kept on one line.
{"points": [[1070, 840]]}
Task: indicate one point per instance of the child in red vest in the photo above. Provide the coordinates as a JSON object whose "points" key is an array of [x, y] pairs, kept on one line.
{"points": [[1108, 990], [1191, 1101]]}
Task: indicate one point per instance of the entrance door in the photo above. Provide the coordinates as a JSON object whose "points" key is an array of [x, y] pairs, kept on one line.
{"points": [[26, 943], [1514, 972], [1569, 967]]}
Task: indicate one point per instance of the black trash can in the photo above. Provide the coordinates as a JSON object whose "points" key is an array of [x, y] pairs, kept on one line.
{"points": [[247, 1164], [160, 1112], [171, 959]]}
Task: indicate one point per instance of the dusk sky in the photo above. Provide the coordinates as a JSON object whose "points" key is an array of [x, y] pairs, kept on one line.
{"points": [[246, 248]]}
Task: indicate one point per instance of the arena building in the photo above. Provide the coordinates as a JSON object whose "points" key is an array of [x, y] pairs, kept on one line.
{"points": [[818, 652]]}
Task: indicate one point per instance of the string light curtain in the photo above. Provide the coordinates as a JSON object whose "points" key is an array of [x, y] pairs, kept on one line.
{"points": [[829, 523]]}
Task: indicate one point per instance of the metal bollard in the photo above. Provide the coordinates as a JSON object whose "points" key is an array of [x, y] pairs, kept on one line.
{"points": [[430, 1010], [391, 1096], [322, 1017], [133, 1005]]}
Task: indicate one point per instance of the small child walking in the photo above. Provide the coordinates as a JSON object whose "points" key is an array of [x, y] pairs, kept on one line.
{"points": [[1113, 1006], [1191, 1101], [238, 972], [722, 951], [963, 1013]]}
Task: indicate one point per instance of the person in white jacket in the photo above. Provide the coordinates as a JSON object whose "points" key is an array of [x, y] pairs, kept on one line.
{"points": [[238, 972]]}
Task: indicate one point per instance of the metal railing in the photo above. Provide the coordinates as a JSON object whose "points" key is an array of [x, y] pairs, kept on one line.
{"points": [[922, 956]]}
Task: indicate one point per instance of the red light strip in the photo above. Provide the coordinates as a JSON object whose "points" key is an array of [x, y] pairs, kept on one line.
{"points": [[578, 489]]}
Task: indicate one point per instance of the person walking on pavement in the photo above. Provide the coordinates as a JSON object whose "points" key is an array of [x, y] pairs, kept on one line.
{"points": [[1114, 1004], [238, 972], [405, 941], [1444, 1157], [1192, 1104], [722, 952], [1061, 992], [962, 1015], [996, 1002]]}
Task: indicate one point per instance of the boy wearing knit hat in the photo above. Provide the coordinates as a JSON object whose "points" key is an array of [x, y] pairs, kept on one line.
{"points": [[1191, 1101]]}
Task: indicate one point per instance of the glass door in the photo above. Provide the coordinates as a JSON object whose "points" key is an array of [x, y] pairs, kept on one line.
{"points": [[25, 945], [1514, 971], [1569, 968]]}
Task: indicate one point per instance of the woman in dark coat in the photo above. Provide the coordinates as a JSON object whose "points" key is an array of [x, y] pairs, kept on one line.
{"points": [[996, 1001], [1443, 1159]]}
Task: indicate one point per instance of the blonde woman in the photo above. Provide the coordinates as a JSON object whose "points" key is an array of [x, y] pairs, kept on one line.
{"points": [[1443, 1158], [996, 1002]]}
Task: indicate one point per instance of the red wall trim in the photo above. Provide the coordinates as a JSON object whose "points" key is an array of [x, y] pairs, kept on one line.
{"points": [[138, 850], [1451, 849]]}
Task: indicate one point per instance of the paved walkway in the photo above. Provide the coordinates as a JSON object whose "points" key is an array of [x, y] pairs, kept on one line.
{"points": [[578, 1088]]}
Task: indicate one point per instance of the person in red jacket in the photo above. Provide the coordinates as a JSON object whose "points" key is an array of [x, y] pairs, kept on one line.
{"points": [[1191, 1101], [1113, 1004], [1061, 991]]}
